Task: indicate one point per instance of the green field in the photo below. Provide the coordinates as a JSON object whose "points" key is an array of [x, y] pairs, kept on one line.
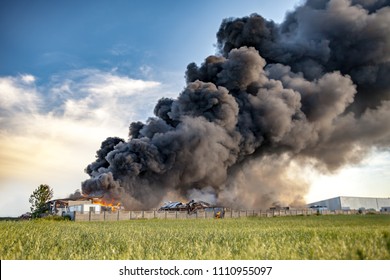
{"points": [[280, 238]]}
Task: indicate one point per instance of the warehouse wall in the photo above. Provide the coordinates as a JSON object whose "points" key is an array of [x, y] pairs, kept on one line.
{"points": [[331, 204], [353, 203]]}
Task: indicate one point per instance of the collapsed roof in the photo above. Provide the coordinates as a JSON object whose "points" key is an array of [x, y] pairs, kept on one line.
{"points": [[190, 207]]}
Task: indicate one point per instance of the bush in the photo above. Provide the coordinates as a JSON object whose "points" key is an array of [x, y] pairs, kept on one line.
{"points": [[55, 218]]}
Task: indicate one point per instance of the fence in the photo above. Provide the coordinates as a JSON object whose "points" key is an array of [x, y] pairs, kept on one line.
{"points": [[229, 214]]}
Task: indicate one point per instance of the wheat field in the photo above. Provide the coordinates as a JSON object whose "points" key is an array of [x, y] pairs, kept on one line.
{"points": [[337, 237]]}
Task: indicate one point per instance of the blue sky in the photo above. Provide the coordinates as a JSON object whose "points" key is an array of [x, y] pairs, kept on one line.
{"points": [[75, 72], [44, 37]]}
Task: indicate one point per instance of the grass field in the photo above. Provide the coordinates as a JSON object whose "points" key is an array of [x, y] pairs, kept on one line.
{"points": [[280, 238]]}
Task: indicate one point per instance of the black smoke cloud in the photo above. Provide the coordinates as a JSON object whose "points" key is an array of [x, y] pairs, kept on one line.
{"points": [[313, 90], [321, 37]]}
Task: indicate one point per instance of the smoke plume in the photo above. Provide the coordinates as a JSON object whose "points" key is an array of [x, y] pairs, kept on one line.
{"points": [[311, 90]]}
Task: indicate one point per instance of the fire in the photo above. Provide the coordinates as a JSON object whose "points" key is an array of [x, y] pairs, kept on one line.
{"points": [[110, 205]]}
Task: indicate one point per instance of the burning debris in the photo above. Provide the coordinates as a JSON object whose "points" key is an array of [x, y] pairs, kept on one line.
{"points": [[190, 207], [313, 90]]}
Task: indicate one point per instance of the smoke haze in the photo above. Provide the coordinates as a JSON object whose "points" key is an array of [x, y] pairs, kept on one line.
{"points": [[311, 91]]}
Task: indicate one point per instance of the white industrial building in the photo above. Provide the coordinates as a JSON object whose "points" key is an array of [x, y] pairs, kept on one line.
{"points": [[67, 207], [354, 203]]}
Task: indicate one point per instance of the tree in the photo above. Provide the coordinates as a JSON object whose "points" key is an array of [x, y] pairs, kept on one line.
{"points": [[38, 200]]}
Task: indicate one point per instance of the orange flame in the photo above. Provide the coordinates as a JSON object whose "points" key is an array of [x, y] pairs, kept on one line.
{"points": [[108, 204]]}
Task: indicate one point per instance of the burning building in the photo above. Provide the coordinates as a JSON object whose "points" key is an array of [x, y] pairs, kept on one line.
{"points": [[311, 91], [67, 206]]}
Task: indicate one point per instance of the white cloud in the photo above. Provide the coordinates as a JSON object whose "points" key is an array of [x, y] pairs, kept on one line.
{"points": [[110, 85], [107, 98], [50, 133], [28, 79], [17, 93]]}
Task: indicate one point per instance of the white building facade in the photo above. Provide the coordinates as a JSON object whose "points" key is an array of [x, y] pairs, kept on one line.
{"points": [[353, 203]]}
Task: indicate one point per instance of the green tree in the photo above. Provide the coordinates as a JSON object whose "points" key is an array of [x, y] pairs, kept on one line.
{"points": [[38, 200]]}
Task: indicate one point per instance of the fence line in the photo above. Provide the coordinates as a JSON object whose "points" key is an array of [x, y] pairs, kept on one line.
{"points": [[229, 214]]}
